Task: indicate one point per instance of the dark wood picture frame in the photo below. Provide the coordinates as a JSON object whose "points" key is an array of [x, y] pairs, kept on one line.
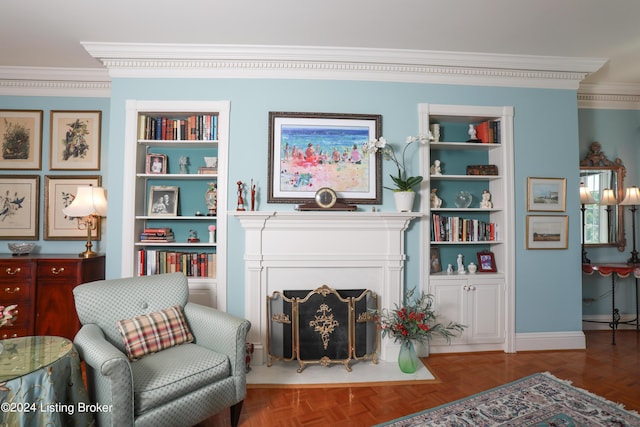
{"points": [[486, 262]]}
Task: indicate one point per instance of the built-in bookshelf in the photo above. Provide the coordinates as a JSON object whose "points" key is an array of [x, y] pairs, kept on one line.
{"points": [[175, 216], [470, 173]]}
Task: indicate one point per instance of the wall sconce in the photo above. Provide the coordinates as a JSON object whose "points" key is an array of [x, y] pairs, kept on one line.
{"points": [[585, 199], [632, 198], [87, 207]]}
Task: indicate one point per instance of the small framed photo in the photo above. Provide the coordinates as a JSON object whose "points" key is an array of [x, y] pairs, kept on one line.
{"points": [[547, 231], [163, 200], [21, 139], [486, 262], [75, 140], [546, 194], [156, 164], [59, 192], [435, 264], [19, 202]]}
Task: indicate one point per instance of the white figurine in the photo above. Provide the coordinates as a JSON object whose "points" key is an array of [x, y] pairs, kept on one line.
{"points": [[436, 169], [436, 201], [486, 200], [449, 269], [435, 132], [460, 265], [473, 136]]}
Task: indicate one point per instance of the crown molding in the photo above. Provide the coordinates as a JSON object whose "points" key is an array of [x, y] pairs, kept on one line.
{"points": [[47, 81], [147, 60], [609, 96]]}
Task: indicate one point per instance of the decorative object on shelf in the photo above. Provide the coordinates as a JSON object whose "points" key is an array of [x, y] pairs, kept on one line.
{"points": [[240, 206], [472, 268], [184, 164], [482, 170], [459, 260], [486, 262], [435, 201], [415, 320], [88, 206], [632, 198], [156, 164], [253, 196], [436, 168], [473, 135], [486, 203], [19, 201], [211, 199], [326, 199], [449, 269], [212, 233], [193, 237], [75, 140], [211, 162], [546, 194], [308, 151], [547, 231], [463, 199], [404, 200], [585, 199], [435, 131], [163, 200], [21, 248], [436, 266]]}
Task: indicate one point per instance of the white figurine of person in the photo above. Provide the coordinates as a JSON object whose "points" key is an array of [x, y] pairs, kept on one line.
{"points": [[473, 136], [436, 201], [460, 265], [436, 168], [486, 200], [449, 269]]}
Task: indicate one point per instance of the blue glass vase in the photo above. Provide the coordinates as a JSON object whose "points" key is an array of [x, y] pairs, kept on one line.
{"points": [[408, 358]]}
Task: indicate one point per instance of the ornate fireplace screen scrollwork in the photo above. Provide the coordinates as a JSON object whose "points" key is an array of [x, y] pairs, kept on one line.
{"points": [[324, 326]]}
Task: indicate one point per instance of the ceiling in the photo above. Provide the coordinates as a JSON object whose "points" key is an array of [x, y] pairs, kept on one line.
{"points": [[45, 33]]}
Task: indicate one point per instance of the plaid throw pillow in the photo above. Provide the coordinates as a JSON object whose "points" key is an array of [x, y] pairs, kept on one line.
{"points": [[153, 332]]}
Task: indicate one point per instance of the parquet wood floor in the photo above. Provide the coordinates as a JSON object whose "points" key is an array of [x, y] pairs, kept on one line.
{"points": [[610, 371]]}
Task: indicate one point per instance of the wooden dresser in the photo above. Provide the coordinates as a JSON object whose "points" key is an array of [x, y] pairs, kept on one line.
{"points": [[42, 287]]}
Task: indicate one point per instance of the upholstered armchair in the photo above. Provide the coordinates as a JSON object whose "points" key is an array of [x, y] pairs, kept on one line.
{"points": [[175, 379]]}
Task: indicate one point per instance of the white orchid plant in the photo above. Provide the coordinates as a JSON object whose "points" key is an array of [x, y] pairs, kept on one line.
{"points": [[402, 181]]}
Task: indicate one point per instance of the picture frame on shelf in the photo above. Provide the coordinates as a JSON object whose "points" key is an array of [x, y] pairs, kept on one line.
{"points": [[486, 262], [19, 202], [59, 192], [156, 164], [435, 263], [308, 151], [547, 231], [163, 200], [546, 194], [21, 139], [75, 140]]}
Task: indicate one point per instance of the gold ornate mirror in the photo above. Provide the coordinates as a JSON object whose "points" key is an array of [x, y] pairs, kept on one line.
{"points": [[604, 224]]}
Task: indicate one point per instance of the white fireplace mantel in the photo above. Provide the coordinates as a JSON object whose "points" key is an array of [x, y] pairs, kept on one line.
{"points": [[305, 250]]}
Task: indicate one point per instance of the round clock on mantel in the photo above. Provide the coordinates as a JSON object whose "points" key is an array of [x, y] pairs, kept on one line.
{"points": [[326, 197]]}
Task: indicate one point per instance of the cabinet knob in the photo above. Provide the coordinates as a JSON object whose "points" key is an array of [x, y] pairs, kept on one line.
{"points": [[5, 336], [13, 272], [472, 288], [12, 291], [57, 270]]}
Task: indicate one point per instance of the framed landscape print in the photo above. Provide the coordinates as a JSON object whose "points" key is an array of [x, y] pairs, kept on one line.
{"points": [[547, 231], [546, 194], [75, 140], [59, 192], [21, 139], [19, 201], [309, 151]]}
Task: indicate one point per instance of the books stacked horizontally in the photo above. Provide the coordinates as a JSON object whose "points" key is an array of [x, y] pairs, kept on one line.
{"points": [[157, 235]]}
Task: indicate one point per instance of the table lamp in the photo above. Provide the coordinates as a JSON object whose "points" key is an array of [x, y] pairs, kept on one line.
{"points": [[88, 206], [585, 199], [608, 199], [632, 198]]}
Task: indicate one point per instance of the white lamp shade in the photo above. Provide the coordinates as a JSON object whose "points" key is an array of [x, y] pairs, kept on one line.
{"points": [[585, 195], [632, 196], [88, 201], [608, 197]]}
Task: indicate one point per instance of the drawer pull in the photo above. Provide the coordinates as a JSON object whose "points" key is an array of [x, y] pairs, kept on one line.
{"points": [[12, 291], [13, 272], [5, 336], [56, 270]]}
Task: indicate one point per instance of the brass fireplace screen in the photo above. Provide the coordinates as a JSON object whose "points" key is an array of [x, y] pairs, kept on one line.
{"points": [[324, 326]]}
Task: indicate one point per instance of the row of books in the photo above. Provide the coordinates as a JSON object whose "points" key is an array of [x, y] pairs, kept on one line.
{"points": [[157, 235], [192, 264], [488, 131], [202, 127], [456, 229]]}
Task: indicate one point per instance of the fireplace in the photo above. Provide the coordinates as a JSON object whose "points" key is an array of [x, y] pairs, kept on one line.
{"points": [[324, 326], [299, 251]]}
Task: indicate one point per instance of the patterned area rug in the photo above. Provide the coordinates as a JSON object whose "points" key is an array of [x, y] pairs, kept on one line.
{"points": [[538, 400]]}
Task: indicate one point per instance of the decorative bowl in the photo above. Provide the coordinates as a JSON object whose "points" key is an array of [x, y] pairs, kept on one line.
{"points": [[463, 199], [21, 248]]}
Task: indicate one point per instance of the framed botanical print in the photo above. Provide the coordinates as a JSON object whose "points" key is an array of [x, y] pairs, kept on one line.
{"points": [[21, 139], [19, 202], [75, 140], [59, 192]]}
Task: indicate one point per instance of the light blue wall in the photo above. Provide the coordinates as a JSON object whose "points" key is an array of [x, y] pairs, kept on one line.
{"points": [[59, 103], [619, 133], [548, 292]]}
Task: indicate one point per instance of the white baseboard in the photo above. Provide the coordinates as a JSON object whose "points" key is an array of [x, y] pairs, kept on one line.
{"points": [[569, 340], [598, 322]]}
